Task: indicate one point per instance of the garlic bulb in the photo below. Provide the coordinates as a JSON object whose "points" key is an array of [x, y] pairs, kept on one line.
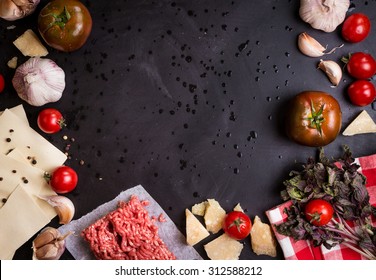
{"points": [[332, 70], [16, 9], [311, 47], [49, 244], [324, 15], [39, 81], [63, 206]]}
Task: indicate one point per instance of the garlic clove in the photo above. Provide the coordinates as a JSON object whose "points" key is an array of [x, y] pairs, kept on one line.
{"points": [[63, 206], [332, 70], [325, 15], [49, 244], [311, 47]]}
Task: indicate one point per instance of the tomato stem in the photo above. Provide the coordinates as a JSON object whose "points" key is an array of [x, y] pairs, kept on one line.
{"points": [[316, 118]]}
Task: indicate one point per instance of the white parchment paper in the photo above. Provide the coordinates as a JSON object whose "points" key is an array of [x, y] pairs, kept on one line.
{"points": [[168, 231]]}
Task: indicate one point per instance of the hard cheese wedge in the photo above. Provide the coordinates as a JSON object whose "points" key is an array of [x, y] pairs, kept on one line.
{"points": [[214, 216], [223, 248], [20, 219], [14, 133], [29, 44], [363, 123], [195, 231], [262, 239]]}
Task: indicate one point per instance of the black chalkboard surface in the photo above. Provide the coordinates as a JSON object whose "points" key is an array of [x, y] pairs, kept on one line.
{"points": [[187, 98]]}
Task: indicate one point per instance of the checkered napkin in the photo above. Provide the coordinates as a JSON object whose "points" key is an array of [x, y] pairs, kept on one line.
{"points": [[304, 250]]}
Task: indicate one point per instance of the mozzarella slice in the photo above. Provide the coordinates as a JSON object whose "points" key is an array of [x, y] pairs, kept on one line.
{"points": [[363, 123]]}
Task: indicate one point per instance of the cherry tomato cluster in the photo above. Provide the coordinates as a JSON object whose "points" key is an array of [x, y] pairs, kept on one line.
{"points": [[359, 65]]}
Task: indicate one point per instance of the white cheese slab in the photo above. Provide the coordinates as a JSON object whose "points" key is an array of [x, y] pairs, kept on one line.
{"points": [[224, 248], [19, 111], [363, 123], [14, 133], [20, 219], [195, 231], [16, 173]]}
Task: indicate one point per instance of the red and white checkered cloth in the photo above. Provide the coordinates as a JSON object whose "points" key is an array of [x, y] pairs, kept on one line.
{"points": [[304, 250]]}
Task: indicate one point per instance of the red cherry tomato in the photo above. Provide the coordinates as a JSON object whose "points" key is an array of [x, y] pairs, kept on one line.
{"points": [[2, 83], [360, 65], [356, 28], [64, 179], [237, 225], [50, 120], [318, 212], [361, 92]]}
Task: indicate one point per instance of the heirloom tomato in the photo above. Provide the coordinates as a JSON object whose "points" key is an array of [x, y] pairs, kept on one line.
{"points": [[65, 24], [314, 118], [64, 179], [318, 212], [237, 225], [356, 28], [50, 120]]}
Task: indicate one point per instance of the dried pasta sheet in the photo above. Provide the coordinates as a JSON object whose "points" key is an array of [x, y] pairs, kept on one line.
{"points": [[168, 231]]}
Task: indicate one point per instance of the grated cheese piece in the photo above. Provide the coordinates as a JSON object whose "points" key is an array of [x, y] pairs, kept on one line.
{"points": [[12, 63], [214, 216], [29, 44], [262, 239], [363, 123], [195, 231], [238, 208], [223, 248]]}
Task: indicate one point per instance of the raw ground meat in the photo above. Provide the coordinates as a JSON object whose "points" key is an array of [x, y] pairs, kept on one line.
{"points": [[128, 233]]}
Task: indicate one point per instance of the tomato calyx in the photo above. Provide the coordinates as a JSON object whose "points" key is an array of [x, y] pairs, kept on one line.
{"points": [[59, 20], [315, 217], [316, 118], [237, 223]]}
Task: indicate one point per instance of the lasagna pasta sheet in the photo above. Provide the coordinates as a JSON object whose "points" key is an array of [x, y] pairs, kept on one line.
{"points": [[168, 232]]}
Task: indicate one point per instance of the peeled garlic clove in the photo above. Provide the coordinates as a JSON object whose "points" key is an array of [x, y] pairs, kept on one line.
{"points": [[49, 244], [63, 206], [324, 15], [311, 47], [332, 70]]}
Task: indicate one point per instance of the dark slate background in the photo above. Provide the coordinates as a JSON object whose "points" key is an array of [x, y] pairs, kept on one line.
{"points": [[187, 98]]}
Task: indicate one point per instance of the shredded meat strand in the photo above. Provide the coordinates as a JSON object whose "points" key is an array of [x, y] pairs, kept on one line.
{"points": [[128, 233]]}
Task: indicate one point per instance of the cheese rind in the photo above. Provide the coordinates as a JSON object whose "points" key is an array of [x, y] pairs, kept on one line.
{"points": [[195, 231], [214, 216], [223, 248], [29, 44], [262, 239], [363, 123]]}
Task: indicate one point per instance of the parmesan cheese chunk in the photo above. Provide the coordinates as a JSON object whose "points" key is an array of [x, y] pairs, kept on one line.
{"points": [[363, 123], [214, 216], [223, 248], [195, 231], [199, 208], [29, 44], [262, 239], [238, 208]]}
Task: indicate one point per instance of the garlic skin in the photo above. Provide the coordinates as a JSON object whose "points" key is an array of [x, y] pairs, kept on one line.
{"points": [[39, 81], [332, 70], [64, 207], [49, 244], [311, 47], [324, 15], [16, 9]]}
